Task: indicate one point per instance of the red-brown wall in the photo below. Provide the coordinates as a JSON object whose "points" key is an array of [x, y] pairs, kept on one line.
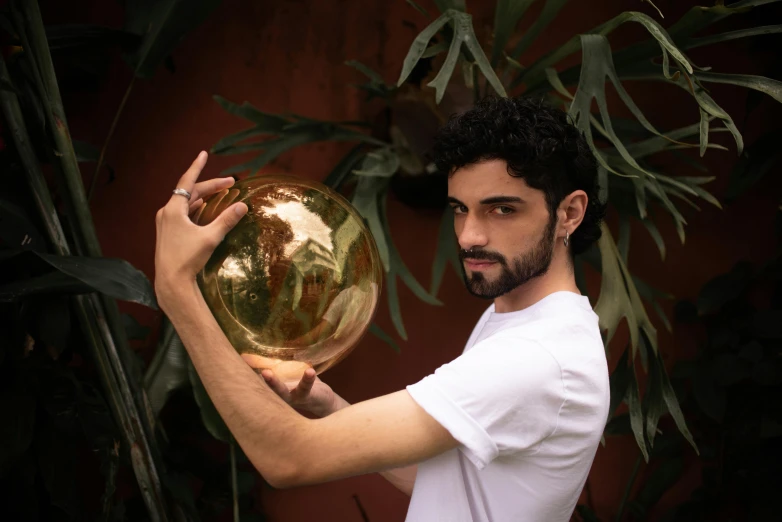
{"points": [[287, 56]]}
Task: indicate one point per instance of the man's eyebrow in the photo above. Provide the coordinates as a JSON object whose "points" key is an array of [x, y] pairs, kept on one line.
{"points": [[490, 201], [501, 199]]}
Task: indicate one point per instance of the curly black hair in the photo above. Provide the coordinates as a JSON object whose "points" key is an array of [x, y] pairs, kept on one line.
{"points": [[540, 145]]}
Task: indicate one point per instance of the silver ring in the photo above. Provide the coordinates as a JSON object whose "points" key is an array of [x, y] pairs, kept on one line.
{"points": [[182, 192]]}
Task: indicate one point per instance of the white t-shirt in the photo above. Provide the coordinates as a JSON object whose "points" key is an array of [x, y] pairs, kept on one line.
{"points": [[527, 401]]}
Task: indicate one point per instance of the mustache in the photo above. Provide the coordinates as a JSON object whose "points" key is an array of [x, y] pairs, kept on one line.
{"points": [[482, 255]]}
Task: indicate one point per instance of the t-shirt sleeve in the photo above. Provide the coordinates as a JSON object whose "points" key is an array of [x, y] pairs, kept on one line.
{"points": [[502, 396]]}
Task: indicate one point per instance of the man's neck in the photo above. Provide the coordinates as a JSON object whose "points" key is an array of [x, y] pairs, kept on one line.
{"points": [[559, 277]]}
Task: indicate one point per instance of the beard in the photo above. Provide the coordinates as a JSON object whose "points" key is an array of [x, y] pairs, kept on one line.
{"points": [[523, 268]]}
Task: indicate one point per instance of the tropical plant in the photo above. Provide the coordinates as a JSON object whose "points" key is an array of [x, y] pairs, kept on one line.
{"points": [[57, 291], [395, 159], [733, 405]]}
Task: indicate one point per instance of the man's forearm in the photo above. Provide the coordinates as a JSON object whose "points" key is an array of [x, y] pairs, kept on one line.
{"points": [[256, 416], [402, 478]]}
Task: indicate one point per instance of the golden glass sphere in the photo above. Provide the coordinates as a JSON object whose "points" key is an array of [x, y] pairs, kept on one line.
{"points": [[296, 283]]}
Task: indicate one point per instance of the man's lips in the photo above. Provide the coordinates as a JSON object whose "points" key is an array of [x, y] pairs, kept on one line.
{"points": [[478, 264]]}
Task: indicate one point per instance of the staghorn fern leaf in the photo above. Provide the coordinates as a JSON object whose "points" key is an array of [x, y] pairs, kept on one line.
{"points": [[619, 299], [463, 34]]}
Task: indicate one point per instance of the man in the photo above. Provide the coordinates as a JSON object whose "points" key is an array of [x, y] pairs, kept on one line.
{"points": [[505, 432]]}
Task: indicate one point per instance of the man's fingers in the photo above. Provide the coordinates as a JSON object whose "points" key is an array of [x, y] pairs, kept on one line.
{"points": [[195, 205], [275, 384], [227, 220], [306, 382], [188, 179], [209, 187]]}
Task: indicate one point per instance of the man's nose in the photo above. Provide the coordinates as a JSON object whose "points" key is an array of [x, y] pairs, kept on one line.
{"points": [[471, 233]]}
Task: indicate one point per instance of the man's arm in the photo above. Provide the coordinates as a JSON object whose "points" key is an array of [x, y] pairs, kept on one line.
{"points": [[403, 479], [372, 436], [288, 449], [314, 396]]}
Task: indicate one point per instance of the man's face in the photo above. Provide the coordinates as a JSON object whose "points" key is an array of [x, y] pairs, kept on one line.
{"points": [[503, 226]]}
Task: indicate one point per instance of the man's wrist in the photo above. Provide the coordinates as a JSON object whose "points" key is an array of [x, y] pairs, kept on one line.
{"points": [[337, 403], [172, 295]]}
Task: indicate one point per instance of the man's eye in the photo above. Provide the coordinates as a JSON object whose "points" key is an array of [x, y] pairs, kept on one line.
{"points": [[459, 209], [503, 210]]}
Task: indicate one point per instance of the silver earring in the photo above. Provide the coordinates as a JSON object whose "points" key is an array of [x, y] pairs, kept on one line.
{"points": [[567, 238]]}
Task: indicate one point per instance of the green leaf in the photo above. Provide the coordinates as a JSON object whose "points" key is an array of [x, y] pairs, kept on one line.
{"points": [[418, 8], [463, 34], [434, 50], [654, 405], [113, 277], [225, 144], [507, 14], [168, 370], [619, 298], [464, 30], [369, 73], [636, 413], [698, 17], [618, 383], [370, 200], [393, 306], [623, 244], [672, 402], [668, 141], [293, 137], [51, 283], [383, 336], [758, 83], [651, 226], [419, 45], [380, 163], [376, 85], [710, 109], [209, 414], [399, 268], [366, 200], [162, 24], [597, 65], [547, 14], [730, 35], [265, 122], [440, 82], [447, 252], [535, 74], [345, 166]]}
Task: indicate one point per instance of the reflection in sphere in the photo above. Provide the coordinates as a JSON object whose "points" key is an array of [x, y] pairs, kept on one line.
{"points": [[295, 284]]}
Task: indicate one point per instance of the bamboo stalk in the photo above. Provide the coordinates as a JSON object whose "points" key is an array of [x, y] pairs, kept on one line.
{"points": [[34, 39], [121, 404]]}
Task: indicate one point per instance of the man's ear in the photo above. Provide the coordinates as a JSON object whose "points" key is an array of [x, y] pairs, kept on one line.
{"points": [[571, 212]]}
